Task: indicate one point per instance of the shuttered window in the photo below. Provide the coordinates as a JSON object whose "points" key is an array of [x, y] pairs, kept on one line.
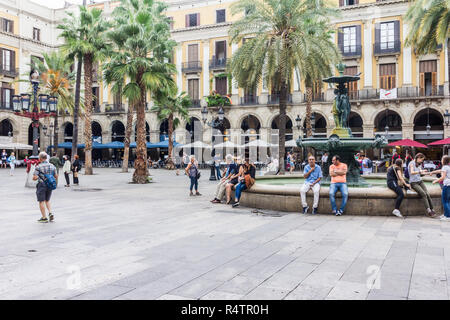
{"points": [[221, 85], [221, 50], [387, 76], [192, 20], [7, 97], [193, 52], [428, 77], [387, 35], [8, 60], [349, 41], [220, 16], [7, 25], [193, 88], [344, 3], [36, 34], [352, 86]]}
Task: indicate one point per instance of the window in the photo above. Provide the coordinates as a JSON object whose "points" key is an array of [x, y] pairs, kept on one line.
{"points": [[344, 3], [7, 94], [7, 60], [220, 16], [387, 76], [221, 85], [193, 89], [387, 35], [352, 86], [36, 34], [192, 20], [171, 22], [349, 40], [7, 25], [193, 52]]}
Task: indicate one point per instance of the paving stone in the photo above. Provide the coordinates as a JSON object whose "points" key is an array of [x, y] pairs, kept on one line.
{"points": [[240, 285], [221, 295], [107, 292], [309, 292], [344, 290], [266, 293]]}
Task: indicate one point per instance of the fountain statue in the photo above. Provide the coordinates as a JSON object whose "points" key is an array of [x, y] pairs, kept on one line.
{"points": [[341, 142]]}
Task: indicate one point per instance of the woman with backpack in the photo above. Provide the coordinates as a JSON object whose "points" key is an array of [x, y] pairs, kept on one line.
{"points": [[194, 174], [415, 170], [247, 180], [76, 168], [396, 182]]}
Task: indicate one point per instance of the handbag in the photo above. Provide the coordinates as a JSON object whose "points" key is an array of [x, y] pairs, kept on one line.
{"points": [[399, 182], [75, 174], [198, 174]]}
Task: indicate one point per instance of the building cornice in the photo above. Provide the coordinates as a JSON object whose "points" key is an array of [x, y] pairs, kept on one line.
{"points": [[29, 40]]}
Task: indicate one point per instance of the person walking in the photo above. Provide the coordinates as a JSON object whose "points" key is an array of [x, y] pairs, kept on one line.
{"points": [[290, 160], [338, 173], [4, 159], [217, 160], [247, 180], [312, 174], [445, 178], [43, 193], [56, 162], [66, 170], [416, 172], [76, 168], [194, 174], [396, 182], [12, 163], [221, 186]]}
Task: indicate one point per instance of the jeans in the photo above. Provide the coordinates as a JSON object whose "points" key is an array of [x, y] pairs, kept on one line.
{"points": [[239, 188], [194, 183], [66, 175], [335, 187], [446, 200], [399, 191], [218, 173], [421, 189]]}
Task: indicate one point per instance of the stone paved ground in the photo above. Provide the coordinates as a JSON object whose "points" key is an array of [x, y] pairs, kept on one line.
{"points": [[155, 242]]}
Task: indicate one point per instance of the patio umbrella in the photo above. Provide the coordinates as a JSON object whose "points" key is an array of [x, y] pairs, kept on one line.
{"points": [[440, 142], [407, 143], [227, 144], [259, 143], [291, 143], [16, 146], [196, 144]]}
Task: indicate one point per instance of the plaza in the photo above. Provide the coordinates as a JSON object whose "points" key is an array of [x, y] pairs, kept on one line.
{"points": [[115, 240]]}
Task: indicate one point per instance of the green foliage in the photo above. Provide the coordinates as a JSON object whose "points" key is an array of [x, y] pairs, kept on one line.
{"points": [[216, 100], [169, 104], [429, 24], [282, 36]]}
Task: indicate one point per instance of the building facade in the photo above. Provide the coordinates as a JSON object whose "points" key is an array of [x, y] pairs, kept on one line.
{"points": [[400, 94]]}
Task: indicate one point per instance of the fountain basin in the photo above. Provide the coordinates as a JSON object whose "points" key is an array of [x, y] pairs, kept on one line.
{"points": [[372, 201]]}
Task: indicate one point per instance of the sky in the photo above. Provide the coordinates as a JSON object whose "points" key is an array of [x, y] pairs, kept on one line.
{"points": [[55, 4]]}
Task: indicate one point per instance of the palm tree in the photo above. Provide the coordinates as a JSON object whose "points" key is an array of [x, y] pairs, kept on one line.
{"points": [[57, 79], [90, 44], [141, 40], [168, 106], [283, 35], [429, 24]]}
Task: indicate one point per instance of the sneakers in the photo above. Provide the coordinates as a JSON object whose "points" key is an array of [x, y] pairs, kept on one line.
{"points": [[191, 194], [235, 205], [397, 213], [444, 218], [315, 210], [216, 201], [339, 213], [334, 213], [305, 210], [43, 220], [51, 217], [431, 213], [198, 194]]}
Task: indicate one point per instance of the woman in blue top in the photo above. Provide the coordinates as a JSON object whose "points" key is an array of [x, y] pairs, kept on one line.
{"points": [[193, 173], [12, 163]]}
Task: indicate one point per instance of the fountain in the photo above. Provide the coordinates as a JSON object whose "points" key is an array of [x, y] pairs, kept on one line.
{"points": [[341, 142], [366, 196]]}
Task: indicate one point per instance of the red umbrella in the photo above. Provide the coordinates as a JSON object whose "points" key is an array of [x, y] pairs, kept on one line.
{"points": [[440, 142], [407, 143]]}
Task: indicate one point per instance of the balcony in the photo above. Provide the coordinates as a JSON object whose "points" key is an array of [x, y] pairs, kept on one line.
{"points": [[191, 66], [8, 72], [218, 64], [249, 100], [402, 93], [351, 51], [114, 108], [96, 109], [275, 99], [386, 48], [195, 103], [317, 97]]}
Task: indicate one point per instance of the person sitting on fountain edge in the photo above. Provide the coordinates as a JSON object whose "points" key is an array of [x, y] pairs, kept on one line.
{"points": [[312, 174], [338, 173]]}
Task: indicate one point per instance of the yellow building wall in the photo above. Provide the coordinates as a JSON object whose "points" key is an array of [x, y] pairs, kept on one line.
{"points": [[13, 18]]}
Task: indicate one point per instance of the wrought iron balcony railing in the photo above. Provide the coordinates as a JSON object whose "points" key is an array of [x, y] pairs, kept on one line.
{"points": [[191, 66], [249, 100], [386, 48]]}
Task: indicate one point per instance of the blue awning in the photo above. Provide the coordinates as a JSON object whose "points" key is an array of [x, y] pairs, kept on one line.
{"points": [[114, 145], [164, 144], [67, 145], [134, 145]]}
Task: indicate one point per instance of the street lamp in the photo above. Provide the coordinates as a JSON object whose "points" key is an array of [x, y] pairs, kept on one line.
{"points": [[298, 120], [36, 110], [447, 118]]}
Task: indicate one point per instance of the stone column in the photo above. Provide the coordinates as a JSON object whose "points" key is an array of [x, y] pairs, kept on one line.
{"points": [[154, 136], [368, 130], [446, 80], [408, 131], [206, 75]]}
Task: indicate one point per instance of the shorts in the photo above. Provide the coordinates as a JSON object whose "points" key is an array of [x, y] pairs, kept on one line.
{"points": [[43, 193]]}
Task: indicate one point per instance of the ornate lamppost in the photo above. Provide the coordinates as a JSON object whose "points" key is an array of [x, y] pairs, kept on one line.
{"points": [[216, 123], [25, 107]]}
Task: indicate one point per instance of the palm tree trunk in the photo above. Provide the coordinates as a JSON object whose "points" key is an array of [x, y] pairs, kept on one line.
{"points": [[170, 165], [309, 132], [76, 108], [282, 127], [88, 113], [128, 137], [140, 164]]}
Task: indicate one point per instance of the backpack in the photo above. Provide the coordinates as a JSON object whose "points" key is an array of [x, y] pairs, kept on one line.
{"points": [[369, 164], [406, 173], [49, 180]]}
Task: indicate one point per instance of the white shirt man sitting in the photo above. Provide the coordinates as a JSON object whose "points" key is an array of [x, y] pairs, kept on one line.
{"points": [[312, 174]]}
